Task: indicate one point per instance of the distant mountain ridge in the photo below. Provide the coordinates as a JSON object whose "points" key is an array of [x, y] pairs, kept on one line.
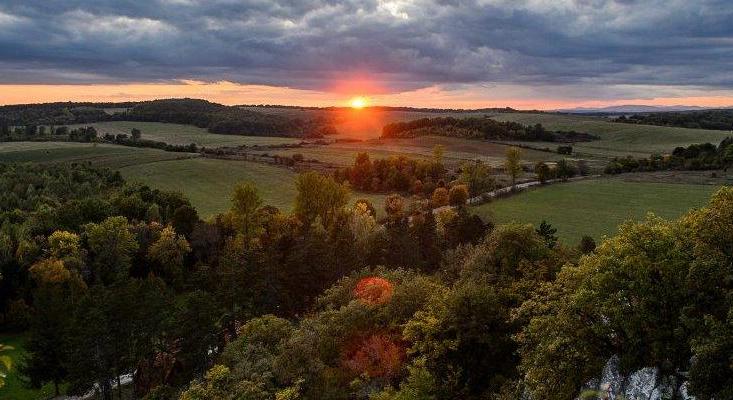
{"points": [[636, 108]]}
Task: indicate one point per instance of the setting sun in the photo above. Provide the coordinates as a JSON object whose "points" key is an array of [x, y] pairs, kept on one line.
{"points": [[358, 102]]}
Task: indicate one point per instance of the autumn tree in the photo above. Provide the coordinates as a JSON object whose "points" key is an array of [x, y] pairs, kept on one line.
{"points": [[440, 197], [458, 195]]}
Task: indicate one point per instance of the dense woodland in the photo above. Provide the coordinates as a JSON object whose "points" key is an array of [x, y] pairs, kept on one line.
{"points": [[709, 119], [329, 302], [480, 128], [227, 120], [214, 117], [57, 113], [705, 156]]}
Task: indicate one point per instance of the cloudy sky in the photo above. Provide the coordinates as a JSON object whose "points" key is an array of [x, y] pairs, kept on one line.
{"points": [[461, 53]]}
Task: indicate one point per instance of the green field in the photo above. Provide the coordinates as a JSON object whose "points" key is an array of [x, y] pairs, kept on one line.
{"points": [[101, 155], [208, 183], [595, 207], [617, 139], [14, 388], [184, 134]]}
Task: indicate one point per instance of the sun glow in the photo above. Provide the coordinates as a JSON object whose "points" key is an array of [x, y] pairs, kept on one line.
{"points": [[358, 102]]}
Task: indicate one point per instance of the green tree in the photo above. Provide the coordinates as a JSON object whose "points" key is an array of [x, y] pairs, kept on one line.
{"points": [[565, 169], [465, 341], [477, 176], [169, 253], [587, 244], [319, 197], [195, 326], [57, 292], [185, 219], [153, 213], [543, 171], [112, 246], [246, 203], [513, 163], [548, 233]]}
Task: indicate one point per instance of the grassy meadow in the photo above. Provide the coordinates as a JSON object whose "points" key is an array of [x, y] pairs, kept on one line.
{"points": [[596, 207], [208, 182], [100, 155], [617, 139]]}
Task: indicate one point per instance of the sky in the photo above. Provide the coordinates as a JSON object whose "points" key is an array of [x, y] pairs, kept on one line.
{"points": [[543, 54]]}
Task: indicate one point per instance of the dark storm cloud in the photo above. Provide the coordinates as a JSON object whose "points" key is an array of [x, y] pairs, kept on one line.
{"points": [[405, 44]]}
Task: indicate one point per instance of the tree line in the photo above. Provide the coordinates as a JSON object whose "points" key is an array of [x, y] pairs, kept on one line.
{"points": [[480, 128], [705, 156], [228, 120], [709, 119], [88, 134]]}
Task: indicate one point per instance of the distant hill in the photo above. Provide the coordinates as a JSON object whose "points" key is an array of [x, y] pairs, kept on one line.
{"points": [[217, 118], [631, 108], [480, 128]]}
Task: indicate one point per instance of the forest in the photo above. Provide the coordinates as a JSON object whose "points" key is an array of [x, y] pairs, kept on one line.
{"points": [[480, 128], [330, 301], [707, 119], [216, 118]]}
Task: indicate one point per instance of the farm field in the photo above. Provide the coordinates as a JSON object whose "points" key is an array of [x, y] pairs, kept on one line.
{"points": [[617, 139], [596, 207], [208, 183], [184, 134], [101, 155], [456, 150]]}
